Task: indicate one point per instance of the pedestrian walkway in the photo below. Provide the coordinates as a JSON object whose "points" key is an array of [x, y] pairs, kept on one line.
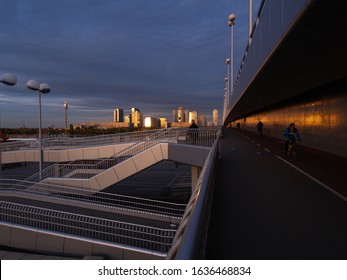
{"points": [[265, 208]]}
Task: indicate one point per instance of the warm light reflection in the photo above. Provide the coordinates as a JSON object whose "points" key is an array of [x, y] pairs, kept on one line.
{"points": [[148, 122]]}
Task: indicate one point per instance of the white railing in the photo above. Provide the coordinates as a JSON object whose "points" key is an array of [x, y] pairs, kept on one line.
{"points": [[57, 194], [62, 143], [22, 144], [156, 239], [191, 235], [76, 169]]}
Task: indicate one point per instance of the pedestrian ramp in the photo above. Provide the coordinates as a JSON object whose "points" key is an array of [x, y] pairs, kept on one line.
{"points": [[97, 180]]}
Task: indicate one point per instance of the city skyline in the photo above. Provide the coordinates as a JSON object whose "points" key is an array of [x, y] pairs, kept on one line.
{"points": [[101, 54], [137, 119]]}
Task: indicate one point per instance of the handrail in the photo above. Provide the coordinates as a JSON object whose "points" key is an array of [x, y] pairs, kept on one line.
{"points": [[190, 239], [140, 236], [61, 170], [76, 142], [56, 193], [201, 137]]}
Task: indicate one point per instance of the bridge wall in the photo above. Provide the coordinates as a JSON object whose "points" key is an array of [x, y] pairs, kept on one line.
{"points": [[320, 116]]}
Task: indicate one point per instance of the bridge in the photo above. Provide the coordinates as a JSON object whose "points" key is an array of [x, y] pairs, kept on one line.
{"points": [[248, 200]]}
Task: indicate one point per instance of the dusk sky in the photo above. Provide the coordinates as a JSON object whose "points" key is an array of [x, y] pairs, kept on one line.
{"points": [[155, 55]]}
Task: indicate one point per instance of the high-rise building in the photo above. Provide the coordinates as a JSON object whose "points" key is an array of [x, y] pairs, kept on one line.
{"points": [[186, 115], [202, 120], [215, 117], [163, 122], [174, 115], [193, 116], [118, 115], [152, 122], [180, 114], [127, 119], [136, 117]]}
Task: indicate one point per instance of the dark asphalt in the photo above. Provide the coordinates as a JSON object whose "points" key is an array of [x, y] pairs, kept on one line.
{"points": [[264, 208]]}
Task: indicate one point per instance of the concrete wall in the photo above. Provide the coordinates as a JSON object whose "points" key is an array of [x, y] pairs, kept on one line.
{"points": [[320, 116]]}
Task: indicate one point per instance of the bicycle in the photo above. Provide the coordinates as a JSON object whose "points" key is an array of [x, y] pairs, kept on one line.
{"points": [[292, 149]]}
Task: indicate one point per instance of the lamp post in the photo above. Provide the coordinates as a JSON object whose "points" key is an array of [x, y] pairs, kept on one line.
{"points": [[231, 22], [40, 88], [65, 111], [250, 17], [227, 80], [9, 80]]}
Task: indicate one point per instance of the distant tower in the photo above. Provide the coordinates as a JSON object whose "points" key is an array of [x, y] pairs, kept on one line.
{"points": [[65, 110], [193, 116], [136, 117], [186, 115], [202, 120], [174, 115], [215, 117], [118, 115], [180, 114]]}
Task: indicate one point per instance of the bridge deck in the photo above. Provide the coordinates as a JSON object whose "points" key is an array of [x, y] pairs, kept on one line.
{"points": [[266, 209]]}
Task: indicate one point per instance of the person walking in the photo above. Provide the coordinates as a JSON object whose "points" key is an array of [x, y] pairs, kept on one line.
{"points": [[193, 132]]}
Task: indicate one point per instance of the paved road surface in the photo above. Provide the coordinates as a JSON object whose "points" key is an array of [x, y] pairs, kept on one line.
{"points": [[264, 208]]}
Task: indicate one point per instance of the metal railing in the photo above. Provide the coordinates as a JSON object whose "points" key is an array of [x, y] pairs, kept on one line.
{"points": [[140, 236], [55, 193], [100, 140], [74, 169], [23, 144], [61, 143], [191, 235]]}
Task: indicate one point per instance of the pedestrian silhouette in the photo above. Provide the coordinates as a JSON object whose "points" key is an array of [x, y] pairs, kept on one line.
{"points": [[260, 128], [193, 132]]}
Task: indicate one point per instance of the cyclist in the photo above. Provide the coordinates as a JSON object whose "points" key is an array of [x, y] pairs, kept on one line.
{"points": [[291, 135], [260, 128]]}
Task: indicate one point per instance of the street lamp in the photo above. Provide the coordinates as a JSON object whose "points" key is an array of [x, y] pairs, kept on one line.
{"points": [[9, 80], [231, 22], [40, 88]]}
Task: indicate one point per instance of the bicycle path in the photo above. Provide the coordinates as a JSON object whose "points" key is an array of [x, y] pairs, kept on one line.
{"points": [[264, 208], [327, 168]]}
